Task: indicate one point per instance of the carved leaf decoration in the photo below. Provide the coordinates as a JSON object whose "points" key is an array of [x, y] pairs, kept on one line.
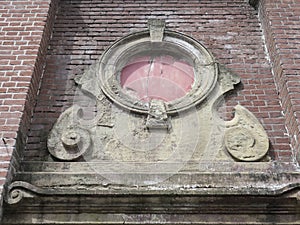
{"points": [[245, 138]]}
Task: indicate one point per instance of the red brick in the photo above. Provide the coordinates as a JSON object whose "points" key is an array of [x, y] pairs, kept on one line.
{"points": [[18, 52]]}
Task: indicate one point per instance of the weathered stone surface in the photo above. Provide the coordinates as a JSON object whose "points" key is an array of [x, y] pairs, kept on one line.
{"points": [[117, 133], [174, 207], [156, 28], [179, 46], [149, 162], [67, 141], [157, 116], [245, 138]]}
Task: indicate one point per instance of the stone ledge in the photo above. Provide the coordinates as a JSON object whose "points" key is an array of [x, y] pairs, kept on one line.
{"points": [[150, 209], [205, 184]]}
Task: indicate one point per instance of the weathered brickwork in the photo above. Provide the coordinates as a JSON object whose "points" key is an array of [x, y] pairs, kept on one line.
{"points": [[230, 29], [261, 46], [280, 20], [25, 28]]}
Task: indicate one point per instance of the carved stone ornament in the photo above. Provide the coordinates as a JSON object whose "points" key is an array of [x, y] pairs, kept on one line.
{"points": [[130, 124], [145, 132], [157, 116], [245, 138], [67, 140], [141, 44]]}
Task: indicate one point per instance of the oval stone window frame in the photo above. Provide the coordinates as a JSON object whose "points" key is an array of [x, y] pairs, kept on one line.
{"points": [[176, 44]]}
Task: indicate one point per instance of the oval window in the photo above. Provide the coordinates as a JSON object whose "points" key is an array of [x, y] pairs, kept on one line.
{"points": [[157, 77]]}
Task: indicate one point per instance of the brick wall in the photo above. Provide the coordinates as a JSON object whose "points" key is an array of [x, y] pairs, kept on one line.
{"points": [[280, 20], [230, 29], [25, 28]]}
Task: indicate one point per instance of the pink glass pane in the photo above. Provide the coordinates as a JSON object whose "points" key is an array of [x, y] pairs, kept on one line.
{"points": [[161, 77]]}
